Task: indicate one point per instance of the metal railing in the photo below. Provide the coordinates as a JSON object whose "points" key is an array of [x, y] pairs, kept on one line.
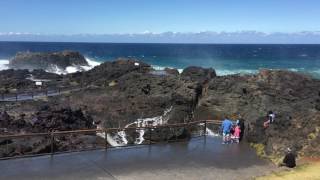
{"points": [[15, 146], [34, 94]]}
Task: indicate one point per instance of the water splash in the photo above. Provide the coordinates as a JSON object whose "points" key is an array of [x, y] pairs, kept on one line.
{"points": [[120, 138]]}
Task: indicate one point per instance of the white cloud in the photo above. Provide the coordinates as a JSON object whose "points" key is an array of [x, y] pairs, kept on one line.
{"points": [[173, 37]]}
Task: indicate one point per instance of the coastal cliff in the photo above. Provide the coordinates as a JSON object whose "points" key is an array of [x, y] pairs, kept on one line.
{"points": [[120, 92]]}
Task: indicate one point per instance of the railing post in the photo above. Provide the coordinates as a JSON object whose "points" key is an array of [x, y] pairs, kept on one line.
{"points": [[16, 96], [52, 142], [175, 132], [32, 95], [205, 128], [7, 148], [150, 135], [106, 138]]}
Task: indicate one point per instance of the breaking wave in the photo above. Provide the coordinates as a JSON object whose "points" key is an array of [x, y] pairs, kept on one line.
{"points": [[72, 69], [4, 64], [223, 72], [161, 68]]}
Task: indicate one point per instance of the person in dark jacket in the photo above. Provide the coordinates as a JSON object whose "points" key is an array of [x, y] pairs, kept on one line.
{"points": [[289, 160], [242, 127]]}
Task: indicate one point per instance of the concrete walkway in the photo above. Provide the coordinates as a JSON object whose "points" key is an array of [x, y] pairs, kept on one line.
{"points": [[202, 158]]}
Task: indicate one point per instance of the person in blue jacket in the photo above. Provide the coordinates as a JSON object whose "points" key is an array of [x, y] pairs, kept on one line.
{"points": [[226, 128]]}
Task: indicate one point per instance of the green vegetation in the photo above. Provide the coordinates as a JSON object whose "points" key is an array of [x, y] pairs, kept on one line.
{"points": [[307, 171], [276, 159]]}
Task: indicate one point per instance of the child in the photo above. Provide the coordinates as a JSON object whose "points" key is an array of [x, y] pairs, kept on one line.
{"points": [[236, 134], [270, 119]]}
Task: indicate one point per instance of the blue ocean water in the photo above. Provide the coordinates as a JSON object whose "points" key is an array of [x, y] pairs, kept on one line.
{"points": [[225, 58]]}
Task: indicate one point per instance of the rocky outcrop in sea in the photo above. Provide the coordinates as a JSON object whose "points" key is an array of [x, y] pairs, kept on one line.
{"points": [[48, 61]]}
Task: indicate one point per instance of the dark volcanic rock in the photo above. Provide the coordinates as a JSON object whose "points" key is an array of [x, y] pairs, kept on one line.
{"points": [[293, 97], [111, 71], [129, 91], [62, 120], [201, 75], [123, 91], [171, 71], [137, 95], [30, 60], [166, 134], [44, 121], [15, 80]]}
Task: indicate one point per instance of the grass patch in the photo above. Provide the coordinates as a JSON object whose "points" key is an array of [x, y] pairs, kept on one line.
{"points": [[307, 171], [276, 159], [259, 149]]}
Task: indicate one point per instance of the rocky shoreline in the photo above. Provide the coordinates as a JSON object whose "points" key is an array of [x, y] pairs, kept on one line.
{"points": [[125, 90]]}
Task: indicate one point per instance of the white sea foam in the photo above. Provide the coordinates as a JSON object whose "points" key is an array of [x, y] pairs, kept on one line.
{"points": [[223, 72], [161, 68], [74, 68], [4, 64], [120, 138]]}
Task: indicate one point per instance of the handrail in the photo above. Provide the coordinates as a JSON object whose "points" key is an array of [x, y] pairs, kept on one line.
{"points": [[109, 129], [54, 134], [32, 94]]}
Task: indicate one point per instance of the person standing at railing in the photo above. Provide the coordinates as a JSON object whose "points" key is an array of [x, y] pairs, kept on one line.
{"points": [[226, 128], [242, 128]]}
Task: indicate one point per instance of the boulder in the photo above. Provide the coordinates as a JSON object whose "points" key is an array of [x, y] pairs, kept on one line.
{"points": [[199, 74], [171, 71]]}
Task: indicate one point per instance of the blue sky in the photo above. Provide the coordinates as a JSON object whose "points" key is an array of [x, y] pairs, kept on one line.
{"points": [[67, 17]]}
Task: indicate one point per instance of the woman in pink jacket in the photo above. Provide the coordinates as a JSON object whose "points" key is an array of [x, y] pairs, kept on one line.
{"points": [[236, 134]]}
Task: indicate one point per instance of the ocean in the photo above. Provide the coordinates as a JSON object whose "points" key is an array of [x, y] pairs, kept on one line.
{"points": [[224, 58]]}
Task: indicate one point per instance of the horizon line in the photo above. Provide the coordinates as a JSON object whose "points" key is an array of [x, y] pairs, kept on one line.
{"points": [[186, 43]]}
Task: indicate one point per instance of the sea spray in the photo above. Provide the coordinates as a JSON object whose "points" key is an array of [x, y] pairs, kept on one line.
{"points": [[4, 64], [72, 69], [209, 132], [120, 138]]}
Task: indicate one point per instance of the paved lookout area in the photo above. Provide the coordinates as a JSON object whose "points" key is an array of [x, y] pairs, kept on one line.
{"points": [[200, 158]]}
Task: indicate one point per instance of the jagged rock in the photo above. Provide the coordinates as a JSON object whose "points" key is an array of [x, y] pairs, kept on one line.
{"points": [[292, 96], [198, 95], [107, 72], [201, 75], [171, 71], [166, 134], [23, 80]]}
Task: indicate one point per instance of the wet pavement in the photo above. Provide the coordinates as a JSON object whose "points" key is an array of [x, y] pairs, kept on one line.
{"points": [[200, 158]]}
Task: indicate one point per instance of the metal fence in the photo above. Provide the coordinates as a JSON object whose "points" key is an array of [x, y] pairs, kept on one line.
{"points": [[24, 145], [30, 95]]}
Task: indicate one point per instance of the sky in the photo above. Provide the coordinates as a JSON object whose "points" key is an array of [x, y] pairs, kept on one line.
{"points": [[73, 19]]}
